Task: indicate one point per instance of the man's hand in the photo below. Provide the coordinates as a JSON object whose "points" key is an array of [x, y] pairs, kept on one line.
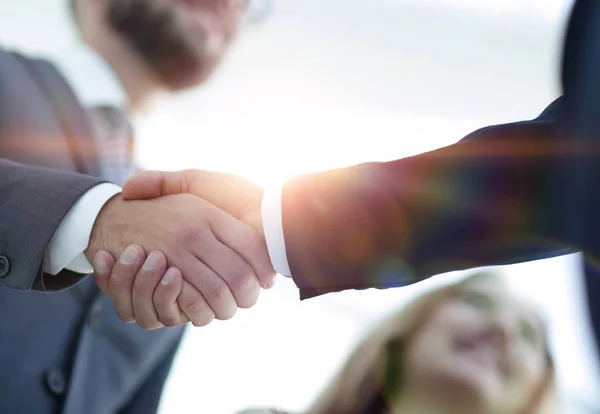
{"points": [[223, 260], [233, 194], [155, 289]]}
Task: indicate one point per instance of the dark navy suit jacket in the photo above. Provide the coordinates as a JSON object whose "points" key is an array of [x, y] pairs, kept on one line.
{"points": [[504, 194]]}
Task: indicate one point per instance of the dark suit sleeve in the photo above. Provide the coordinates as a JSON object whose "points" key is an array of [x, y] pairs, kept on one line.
{"points": [[492, 198], [33, 202]]}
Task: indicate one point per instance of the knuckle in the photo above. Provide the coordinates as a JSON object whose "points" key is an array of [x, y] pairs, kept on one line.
{"points": [[125, 316], [117, 279], [200, 322], [121, 279], [169, 314], [171, 321], [149, 326], [102, 282], [242, 278], [267, 277], [249, 300], [219, 293], [230, 313], [161, 304], [145, 285], [195, 305], [251, 239]]}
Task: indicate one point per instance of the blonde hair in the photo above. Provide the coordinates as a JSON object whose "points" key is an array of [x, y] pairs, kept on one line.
{"points": [[358, 387]]}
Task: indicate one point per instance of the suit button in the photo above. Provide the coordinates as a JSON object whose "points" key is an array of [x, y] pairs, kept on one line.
{"points": [[94, 314], [55, 380], [4, 266]]}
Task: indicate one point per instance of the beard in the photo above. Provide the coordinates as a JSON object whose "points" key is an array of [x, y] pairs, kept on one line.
{"points": [[180, 55]]}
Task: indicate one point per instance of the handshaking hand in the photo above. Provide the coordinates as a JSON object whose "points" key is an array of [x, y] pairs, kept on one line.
{"points": [[161, 289], [232, 194]]}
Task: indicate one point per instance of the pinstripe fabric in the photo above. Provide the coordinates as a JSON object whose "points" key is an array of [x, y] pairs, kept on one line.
{"points": [[67, 351]]}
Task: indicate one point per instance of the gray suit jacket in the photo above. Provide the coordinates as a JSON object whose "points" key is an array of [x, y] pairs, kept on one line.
{"points": [[63, 348]]}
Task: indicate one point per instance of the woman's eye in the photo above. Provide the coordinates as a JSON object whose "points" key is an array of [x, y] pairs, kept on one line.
{"points": [[478, 300]]}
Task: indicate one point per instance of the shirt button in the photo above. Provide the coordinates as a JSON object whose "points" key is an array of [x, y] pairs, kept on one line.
{"points": [[4, 266], [57, 385], [94, 314]]}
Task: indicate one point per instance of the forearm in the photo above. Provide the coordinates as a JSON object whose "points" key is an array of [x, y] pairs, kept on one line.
{"points": [[495, 197], [34, 201]]}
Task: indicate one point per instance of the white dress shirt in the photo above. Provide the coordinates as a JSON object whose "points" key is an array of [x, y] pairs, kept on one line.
{"points": [[95, 84], [273, 227]]}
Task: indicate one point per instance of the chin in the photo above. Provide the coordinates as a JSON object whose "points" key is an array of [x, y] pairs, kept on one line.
{"points": [[184, 71], [467, 387], [189, 80]]}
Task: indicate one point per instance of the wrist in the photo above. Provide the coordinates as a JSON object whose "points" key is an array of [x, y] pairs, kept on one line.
{"points": [[105, 229]]}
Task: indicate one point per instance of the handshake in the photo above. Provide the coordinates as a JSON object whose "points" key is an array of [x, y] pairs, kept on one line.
{"points": [[184, 246]]}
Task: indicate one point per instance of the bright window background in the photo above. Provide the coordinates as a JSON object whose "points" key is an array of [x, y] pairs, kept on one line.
{"points": [[327, 83]]}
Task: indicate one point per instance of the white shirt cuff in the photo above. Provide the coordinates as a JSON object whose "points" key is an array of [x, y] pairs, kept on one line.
{"points": [[273, 228], [67, 246]]}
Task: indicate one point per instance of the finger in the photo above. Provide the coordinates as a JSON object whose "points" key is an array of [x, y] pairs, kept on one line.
{"points": [[165, 299], [146, 282], [195, 307], [226, 191], [121, 281], [103, 266], [213, 288], [153, 184], [248, 244], [233, 270]]}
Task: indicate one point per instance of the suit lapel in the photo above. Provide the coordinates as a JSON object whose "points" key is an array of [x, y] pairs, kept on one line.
{"points": [[72, 116]]}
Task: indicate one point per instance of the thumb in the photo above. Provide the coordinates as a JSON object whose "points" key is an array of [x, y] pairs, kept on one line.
{"points": [[231, 193], [153, 184]]}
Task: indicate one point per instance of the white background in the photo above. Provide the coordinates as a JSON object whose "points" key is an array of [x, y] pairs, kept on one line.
{"points": [[325, 83]]}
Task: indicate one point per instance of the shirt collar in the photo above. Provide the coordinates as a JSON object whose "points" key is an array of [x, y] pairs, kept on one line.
{"points": [[91, 78]]}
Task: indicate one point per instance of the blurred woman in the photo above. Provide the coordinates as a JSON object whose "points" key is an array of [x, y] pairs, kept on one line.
{"points": [[474, 347]]}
